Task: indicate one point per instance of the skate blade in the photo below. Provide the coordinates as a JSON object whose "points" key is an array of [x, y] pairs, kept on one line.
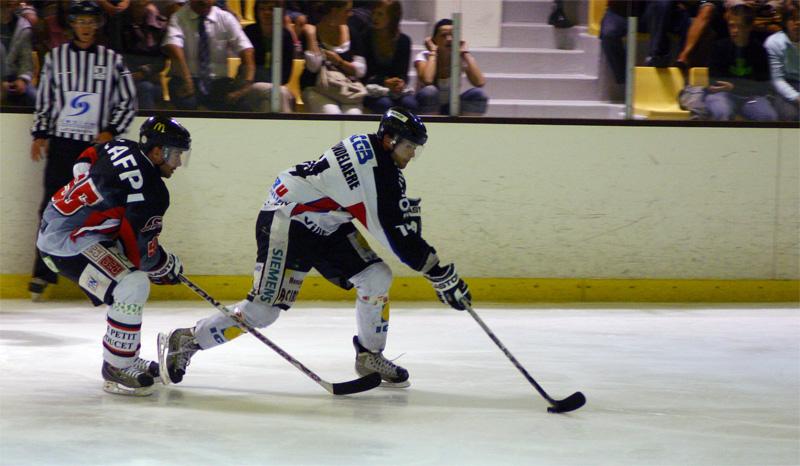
{"points": [[117, 389], [162, 348], [387, 384]]}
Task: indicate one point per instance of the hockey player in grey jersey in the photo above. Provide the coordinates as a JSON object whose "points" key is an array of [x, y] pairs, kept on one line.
{"points": [[307, 221]]}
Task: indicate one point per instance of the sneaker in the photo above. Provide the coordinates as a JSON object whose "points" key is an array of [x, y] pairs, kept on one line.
{"points": [[368, 362], [658, 61], [174, 352], [559, 20], [36, 287], [131, 380]]}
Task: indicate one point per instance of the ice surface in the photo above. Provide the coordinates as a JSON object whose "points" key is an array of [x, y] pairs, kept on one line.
{"points": [[665, 386]]}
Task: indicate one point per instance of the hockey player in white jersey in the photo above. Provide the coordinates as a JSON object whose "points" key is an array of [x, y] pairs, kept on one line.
{"points": [[307, 221]]}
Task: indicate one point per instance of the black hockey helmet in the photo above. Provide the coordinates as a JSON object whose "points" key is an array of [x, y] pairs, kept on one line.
{"points": [[84, 8], [400, 123], [168, 133]]}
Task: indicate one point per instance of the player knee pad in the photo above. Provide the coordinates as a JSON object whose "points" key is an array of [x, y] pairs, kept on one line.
{"points": [[372, 284], [133, 288], [124, 319], [258, 314], [372, 306]]}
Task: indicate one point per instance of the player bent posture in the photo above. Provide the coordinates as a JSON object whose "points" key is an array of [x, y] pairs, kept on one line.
{"points": [[307, 221], [101, 231]]}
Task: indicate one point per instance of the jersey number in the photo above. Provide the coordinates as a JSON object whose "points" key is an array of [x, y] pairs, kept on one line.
{"points": [[80, 192], [314, 167]]}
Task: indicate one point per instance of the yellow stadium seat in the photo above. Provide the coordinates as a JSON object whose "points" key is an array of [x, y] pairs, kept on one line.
{"points": [[698, 77], [597, 8], [233, 66], [655, 93], [298, 66], [235, 7], [249, 13]]}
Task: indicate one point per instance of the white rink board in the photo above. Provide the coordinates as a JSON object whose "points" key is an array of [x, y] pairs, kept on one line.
{"points": [[715, 386], [520, 201]]}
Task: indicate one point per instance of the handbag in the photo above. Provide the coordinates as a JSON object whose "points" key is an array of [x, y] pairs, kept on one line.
{"points": [[335, 85], [692, 98]]}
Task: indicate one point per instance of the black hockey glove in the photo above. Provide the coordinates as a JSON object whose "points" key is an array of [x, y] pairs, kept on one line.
{"points": [[450, 289], [168, 271]]}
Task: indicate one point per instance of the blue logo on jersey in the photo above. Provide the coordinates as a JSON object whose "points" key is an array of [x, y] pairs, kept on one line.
{"points": [[362, 148], [79, 106]]}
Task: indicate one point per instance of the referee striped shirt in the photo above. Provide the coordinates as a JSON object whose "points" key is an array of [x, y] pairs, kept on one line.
{"points": [[82, 93]]}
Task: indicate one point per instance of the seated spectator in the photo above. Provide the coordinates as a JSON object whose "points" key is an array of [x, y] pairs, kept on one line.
{"points": [[167, 8], [656, 17], [55, 29], [329, 44], [16, 66], [433, 75], [768, 14], [388, 54], [360, 19], [114, 23], [706, 26], [784, 62], [142, 31], [28, 11], [261, 35], [199, 38], [739, 73], [709, 24], [295, 12]]}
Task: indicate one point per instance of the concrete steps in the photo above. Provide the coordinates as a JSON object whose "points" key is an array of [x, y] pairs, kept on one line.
{"points": [[576, 87], [541, 35], [530, 11], [526, 60], [516, 108], [538, 71]]}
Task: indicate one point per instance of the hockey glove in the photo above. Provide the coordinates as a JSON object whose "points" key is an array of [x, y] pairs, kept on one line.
{"points": [[450, 289], [168, 271]]}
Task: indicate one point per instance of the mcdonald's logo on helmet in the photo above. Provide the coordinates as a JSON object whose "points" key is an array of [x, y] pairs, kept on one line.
{"points": [[163, 131]]}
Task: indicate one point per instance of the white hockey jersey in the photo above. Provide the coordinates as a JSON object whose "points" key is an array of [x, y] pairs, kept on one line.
{"points": [[355, 179]]}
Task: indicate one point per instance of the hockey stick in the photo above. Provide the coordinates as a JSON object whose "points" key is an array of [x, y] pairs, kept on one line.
{"points": [[362, 384], [570, 403]]}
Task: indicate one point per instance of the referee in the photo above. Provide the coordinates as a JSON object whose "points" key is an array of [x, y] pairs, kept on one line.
{"points": [[85, 96]]}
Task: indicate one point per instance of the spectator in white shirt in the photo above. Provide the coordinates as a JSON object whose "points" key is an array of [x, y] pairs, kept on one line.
{"points": [[784, 63], [433, 75], [199, 39]]}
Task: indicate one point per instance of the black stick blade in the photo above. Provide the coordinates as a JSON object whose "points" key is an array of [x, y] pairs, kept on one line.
{"points": [[368, 382], [570, 403]]}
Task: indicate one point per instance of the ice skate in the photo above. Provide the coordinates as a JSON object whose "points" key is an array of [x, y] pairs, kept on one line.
{"points": [[367, 362], [131, 381], [148, 367], [174, 352], [36, 288]]}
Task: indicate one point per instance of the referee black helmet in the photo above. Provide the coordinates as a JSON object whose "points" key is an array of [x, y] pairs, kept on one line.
{"points": [[84, 8]]}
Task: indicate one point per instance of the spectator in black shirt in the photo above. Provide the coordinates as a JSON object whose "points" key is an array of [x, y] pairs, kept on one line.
{"points": [[388, 55], [739, 72], [143, 28], [261, 35], [16, 64]]}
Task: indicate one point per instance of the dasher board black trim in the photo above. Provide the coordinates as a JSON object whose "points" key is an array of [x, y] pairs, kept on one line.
{"points": [[448, 119]]}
